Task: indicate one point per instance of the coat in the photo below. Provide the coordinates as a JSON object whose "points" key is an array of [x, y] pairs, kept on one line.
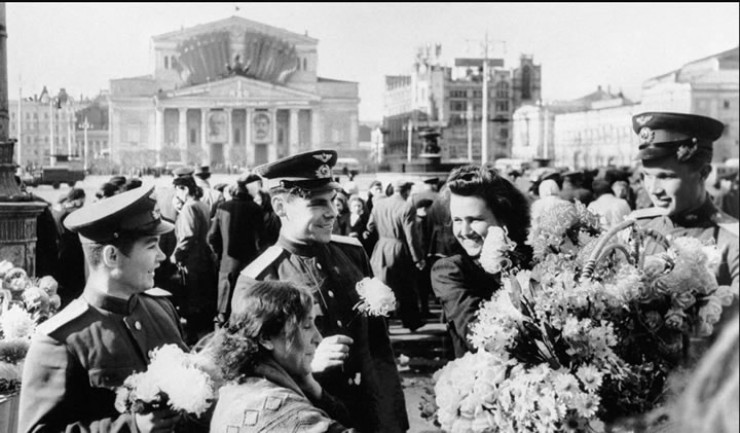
{"points": [[234, 237], [462, 285], [271, 401], [81, 355], [368, 383]]}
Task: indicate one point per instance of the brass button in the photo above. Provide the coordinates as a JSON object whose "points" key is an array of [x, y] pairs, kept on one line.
{"points": [[137, 325], [339, 323], [318, 266], [330, 293]]}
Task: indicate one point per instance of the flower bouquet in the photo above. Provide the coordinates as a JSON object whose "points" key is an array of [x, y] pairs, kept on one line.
{"points": [[587, 337], [184, 382], [376, 298], [26, 302]]}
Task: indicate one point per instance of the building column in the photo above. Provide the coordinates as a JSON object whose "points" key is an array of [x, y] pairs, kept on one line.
{"points": [[315, 129], [272, 149], [158, 134], [293, 139], [182, 134], [354, 133], [206, 158], [229, 138], [248, 137]]}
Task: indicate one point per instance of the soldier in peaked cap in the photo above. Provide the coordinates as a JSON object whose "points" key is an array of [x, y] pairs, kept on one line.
{"points": [[80, 356], [676, 152], [354, 361]]}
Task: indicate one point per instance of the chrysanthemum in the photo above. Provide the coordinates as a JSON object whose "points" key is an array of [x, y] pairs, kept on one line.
{"points": [[590, 377], [586, 404]]}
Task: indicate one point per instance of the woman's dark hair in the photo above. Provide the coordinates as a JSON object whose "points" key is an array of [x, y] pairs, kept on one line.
{"points": [[188, 182], [260, 312], [107, 190], [506, 201]]}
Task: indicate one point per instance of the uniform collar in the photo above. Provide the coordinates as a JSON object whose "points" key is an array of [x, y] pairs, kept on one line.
{"points": [[699, 216], [106, 302], [301, 249]]}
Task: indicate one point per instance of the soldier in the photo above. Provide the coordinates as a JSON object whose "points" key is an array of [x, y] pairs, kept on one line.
{"points": [[355, 361], [676, 152], [80, 356]]}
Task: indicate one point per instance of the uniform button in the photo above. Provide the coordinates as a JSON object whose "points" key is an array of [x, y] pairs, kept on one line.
{"points": [[331, 294], [339, 323], [137, 325], [318, 266]]}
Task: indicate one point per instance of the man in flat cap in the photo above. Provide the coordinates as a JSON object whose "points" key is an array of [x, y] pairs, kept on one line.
{"points": [[80, 356], [676, 152], [355, 361]]}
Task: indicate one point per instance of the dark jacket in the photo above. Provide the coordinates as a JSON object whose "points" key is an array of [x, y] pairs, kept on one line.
{"points": [[376, 403], [82, 354], [462, 285], [70, 269]]}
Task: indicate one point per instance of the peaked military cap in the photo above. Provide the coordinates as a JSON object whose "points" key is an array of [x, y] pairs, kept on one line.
{"points": [[132, 212], [663, 134], [308, 170], [183, 171], [204, 172]]}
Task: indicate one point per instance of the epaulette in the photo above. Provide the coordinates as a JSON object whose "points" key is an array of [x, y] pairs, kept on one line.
{"points": [[156, 291], [72, 311], [650, 212], [347, 240], [254, 269]]}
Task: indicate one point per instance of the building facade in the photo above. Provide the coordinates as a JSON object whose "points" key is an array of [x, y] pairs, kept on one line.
{"points": [[230, 93], [431, 99]]}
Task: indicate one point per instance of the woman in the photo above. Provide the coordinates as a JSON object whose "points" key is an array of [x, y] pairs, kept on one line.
{"points": [[341, 224], [479, 199], [195, 259], [266, 356]]}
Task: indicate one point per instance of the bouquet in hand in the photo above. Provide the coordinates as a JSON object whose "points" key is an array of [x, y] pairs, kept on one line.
{"points": [[376, 299], [184, 382]]}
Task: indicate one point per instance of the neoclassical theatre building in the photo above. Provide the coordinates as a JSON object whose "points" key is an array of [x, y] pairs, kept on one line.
{"points": [[230, 93]]}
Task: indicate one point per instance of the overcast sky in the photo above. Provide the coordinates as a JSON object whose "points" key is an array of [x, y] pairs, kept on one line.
{"points": [[80, 46]]}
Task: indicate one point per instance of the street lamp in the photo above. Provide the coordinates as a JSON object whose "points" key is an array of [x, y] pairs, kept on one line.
{"points": [[85, 126]]}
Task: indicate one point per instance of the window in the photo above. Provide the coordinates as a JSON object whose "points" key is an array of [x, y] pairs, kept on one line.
{"points": [[502, 106], [502, 90], [458, 106], [526, 83], [458, 94], [726, 105], [305, 64], [237, 135], [477, 94], [192, 135], [166, 62], [173, 62], [503, 133]]}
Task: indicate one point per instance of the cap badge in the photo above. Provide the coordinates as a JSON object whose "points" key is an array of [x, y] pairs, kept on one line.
{"points": [[647, 135], [686, 151], [323, 171], [642, 120], [323, 157]]}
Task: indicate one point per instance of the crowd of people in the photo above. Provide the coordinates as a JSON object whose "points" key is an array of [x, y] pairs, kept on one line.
{"points": [[262, 273]]}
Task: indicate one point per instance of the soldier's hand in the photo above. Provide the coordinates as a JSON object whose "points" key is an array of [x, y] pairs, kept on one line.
{"points": [[158, 421], [332, 352]]}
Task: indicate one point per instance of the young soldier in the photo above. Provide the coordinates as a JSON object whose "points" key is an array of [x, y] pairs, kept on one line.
{"points": [[354, 361]]}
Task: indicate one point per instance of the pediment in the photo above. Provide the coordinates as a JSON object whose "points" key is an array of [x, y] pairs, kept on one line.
{"points": [[242, 89]]}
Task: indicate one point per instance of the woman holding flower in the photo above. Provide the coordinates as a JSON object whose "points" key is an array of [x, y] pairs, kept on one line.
{"points": [[266, 353], [480, 200]]}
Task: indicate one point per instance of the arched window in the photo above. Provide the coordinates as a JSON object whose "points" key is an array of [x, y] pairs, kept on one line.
{"points": [[526, 83]]}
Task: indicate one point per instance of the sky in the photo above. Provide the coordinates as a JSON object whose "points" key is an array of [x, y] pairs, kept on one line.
{"points": [[81, 46]]}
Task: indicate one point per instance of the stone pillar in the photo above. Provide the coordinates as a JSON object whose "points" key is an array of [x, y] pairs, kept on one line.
{"points": [[293, 139], [272, 147], [182, 134], [229, 138], [206, 158], [158, 133], [315, 129], [248, 137]]}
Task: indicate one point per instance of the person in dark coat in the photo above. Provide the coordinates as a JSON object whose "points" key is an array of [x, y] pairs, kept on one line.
{"points": [[676, 151], [573, 188], [341, 224], [234, 237], [397, 253], [479, 199], [358, 216], [195, 259], [270, 221], [70, 269], [81, 355], [355, 361]]}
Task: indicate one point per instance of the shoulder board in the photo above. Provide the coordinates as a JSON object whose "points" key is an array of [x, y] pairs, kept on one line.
{"points": [[262, 262], [347, 240], [157, 292], [731, 227], [72, 311], [650, 212]]}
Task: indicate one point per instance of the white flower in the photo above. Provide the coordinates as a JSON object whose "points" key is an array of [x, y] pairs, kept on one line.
{"points": [[587, 404], [590, 377], [496, 246], [49, 285], [17, 323], [377, 299]]}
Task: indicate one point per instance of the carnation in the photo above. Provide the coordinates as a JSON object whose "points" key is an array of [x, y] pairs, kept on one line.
{"points": [[377, 299]]}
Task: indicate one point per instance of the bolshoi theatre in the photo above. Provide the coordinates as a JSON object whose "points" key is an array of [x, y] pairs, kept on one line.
{"points": [[230, 93]]}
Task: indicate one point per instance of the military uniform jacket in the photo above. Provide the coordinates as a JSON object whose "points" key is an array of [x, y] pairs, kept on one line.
{"points": [[80, 356], [707, 224], [368, 383], [462, 285]]}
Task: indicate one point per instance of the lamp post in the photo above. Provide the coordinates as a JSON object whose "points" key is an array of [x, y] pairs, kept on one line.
{"points": [[85, 126]]}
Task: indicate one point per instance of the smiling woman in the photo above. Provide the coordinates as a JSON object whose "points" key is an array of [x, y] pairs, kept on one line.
{"points": [[266, 353]]}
